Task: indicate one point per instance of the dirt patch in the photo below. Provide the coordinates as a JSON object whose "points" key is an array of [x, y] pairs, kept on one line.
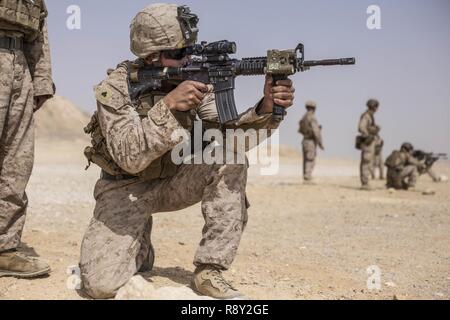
{"points": [[302, 242]]}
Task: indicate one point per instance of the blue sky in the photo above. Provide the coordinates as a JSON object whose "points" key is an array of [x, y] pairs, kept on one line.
{"points": [[406, 64]]}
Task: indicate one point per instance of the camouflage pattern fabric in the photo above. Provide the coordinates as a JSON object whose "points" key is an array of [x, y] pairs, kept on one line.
{"points": [[156, 28], [114, 244], [311, 139], [378, 162], [365, 128], [112, 251], [16, 145], [402, 179], [433, 175], [23, 76], [405, 175], [309, 158]]}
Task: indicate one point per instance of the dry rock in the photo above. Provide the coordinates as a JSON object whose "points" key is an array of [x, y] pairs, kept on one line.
{"points": [[140, 289]]}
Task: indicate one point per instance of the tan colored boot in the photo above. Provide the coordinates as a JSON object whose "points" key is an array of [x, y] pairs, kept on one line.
{"points": [[19, 265], [366, 187], [209, 281]]}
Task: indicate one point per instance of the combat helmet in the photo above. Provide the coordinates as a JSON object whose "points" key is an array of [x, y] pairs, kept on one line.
{"points": [[160, 27], [408, 147], [373, 104], [311, 104]]}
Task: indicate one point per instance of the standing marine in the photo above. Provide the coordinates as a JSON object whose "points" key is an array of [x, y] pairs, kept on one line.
{"points": [[366, 142], [312, 138], [132, 144], [25, 84]]}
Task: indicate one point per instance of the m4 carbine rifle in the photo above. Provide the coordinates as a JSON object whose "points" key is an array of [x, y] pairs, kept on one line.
{"points": [[212, 64], [429, 158]]}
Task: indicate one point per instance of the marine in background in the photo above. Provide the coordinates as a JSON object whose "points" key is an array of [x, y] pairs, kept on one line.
{"points": [[403, 168], [312, 138], [429, 160], [366, 142]]}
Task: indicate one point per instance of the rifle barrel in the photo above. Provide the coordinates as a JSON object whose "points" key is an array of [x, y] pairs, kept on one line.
{"points": [[257, 65], [330, 62]]}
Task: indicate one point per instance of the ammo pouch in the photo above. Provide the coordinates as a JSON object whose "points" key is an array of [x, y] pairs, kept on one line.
{"points": [[359, 142], [25, 14], [98, 153], [362, 141]]}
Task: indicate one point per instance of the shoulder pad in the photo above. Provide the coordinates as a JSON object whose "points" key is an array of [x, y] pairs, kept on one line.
{"points": [[113, 91]]}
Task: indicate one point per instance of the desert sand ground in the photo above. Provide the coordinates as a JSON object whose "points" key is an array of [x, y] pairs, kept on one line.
{"points": [[302, 242]]}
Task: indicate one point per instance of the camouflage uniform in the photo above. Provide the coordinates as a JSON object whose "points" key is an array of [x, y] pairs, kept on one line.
{"points": [[405, 173], [378, 159], [312, 137], [117, 242], [367, 129], [25, 73], [433, 175]]}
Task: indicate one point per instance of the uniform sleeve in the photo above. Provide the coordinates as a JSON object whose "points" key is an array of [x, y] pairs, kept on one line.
{"points": [[364, 125], [38, 56], [133, 142], [410, 160]]}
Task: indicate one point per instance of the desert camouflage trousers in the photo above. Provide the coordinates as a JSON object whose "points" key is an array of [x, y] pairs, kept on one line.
{"points": [[402, 179], [16, 145], [116, 241], [309, 158], [378, 164], [367, 161]]}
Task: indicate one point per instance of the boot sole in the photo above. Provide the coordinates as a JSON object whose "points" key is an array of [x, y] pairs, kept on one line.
{"points": [[24, 275]]}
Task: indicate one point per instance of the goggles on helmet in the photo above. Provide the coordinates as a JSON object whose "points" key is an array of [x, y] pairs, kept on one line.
{"points": [[188, 22]]}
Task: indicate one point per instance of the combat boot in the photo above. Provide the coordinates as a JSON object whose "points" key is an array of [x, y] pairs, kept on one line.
{"points": [[149, 261], [208, 281], [20, 265], [366, 187]]}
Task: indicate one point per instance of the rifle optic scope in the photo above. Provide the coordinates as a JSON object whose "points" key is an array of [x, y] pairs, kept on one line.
{"points": [[213, 48]]}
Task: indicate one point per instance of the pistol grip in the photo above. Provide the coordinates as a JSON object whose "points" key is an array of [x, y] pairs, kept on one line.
{"points": [[278, 111]]}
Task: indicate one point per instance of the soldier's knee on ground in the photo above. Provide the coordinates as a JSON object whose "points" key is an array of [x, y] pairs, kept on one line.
{"points": [[103, 282], [104, 288]]}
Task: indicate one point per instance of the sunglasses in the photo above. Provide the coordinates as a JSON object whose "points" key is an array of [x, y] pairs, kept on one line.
{"points": [[176, 54]]}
